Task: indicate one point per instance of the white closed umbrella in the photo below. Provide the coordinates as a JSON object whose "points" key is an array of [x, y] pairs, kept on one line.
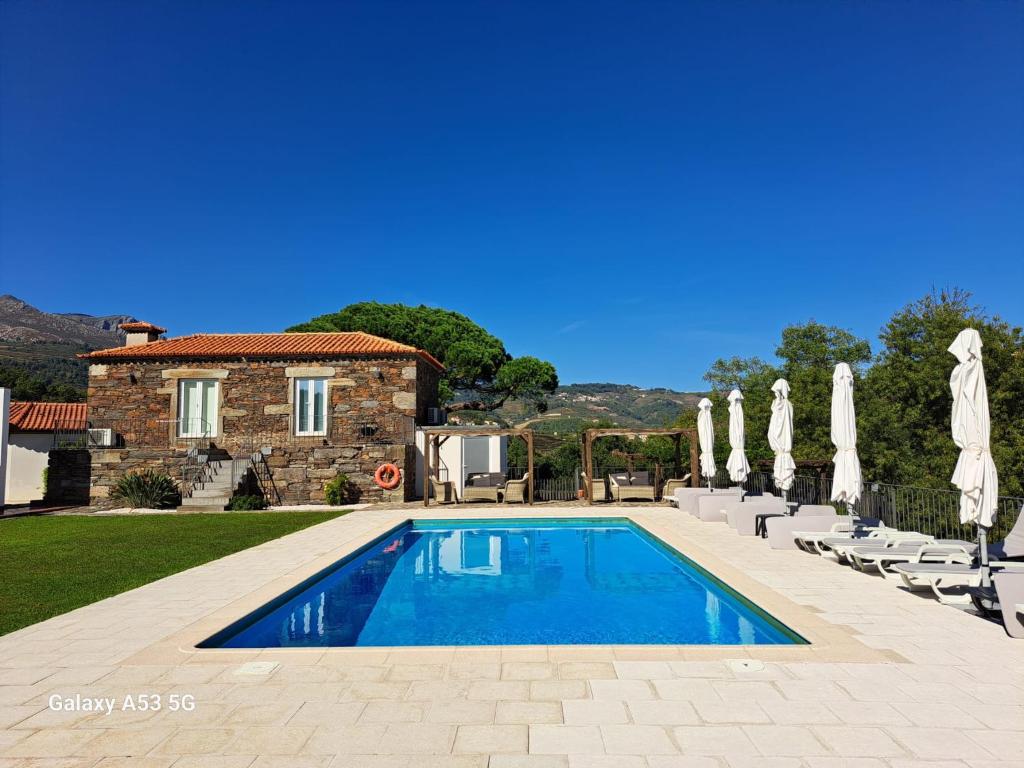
{"points": [[780, 436], [847, 480], [975, 473], [737, 464], [706, 436]]}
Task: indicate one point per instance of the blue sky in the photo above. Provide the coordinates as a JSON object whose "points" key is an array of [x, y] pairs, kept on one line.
{"points": [[627, 189]]}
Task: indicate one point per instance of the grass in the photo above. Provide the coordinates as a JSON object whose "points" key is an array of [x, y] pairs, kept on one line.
{"points": [[51, 565]]}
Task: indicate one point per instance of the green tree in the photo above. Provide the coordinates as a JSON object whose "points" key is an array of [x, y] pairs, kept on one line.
{"points": [[26, 385], [480, 375], [807, 355], [904, 424]]}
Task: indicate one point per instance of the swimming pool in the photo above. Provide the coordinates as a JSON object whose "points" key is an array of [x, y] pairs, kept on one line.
{"points": [[509, 582]]}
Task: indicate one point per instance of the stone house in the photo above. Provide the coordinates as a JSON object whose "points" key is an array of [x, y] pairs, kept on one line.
{"points": [[303, 407]]}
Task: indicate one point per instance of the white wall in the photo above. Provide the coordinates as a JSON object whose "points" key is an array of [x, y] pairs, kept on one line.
{"points": [[5, 414], [453, 459], [27, 457]]}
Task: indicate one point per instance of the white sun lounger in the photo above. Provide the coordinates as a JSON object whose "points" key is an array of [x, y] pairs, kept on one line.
{"points": [[1010, 591], [811, 541], [839, 546], [946, 576], [938, 551]]}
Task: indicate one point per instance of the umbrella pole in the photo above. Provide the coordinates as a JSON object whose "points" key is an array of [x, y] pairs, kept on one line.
{"points": [[983, 556]]}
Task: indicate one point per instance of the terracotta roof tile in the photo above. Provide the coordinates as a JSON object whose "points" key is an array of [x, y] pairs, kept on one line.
{"points": [[43, 417], [264, 345], [141, 327]]}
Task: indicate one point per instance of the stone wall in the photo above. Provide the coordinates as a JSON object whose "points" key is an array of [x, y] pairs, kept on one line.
{"points": [[67, 477], [110, 465], [374, 405]]}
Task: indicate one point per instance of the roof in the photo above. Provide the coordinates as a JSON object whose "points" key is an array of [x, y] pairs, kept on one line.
{"points": [[264, 345], [44, 417], [141, 327]]}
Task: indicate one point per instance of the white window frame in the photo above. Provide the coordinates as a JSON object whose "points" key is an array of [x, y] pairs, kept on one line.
{"points": [[310, 407], [186, 419]]}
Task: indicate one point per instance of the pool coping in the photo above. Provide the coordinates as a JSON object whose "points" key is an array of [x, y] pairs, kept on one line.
{"points": [[826, 642]]}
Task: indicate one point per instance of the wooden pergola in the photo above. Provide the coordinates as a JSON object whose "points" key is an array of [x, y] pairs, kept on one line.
{"points": [[435, 437], [590, 435]]}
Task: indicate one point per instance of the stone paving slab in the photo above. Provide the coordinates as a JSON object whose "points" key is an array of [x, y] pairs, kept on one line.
{"points": [[891, 678]]}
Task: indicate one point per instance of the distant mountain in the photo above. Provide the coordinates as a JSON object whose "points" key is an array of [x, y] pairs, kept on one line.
{"points": [[21, 322], [37, 349], [621, 404]]}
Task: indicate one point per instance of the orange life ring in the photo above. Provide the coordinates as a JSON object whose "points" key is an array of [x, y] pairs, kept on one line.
{"points": [[393, 473]]}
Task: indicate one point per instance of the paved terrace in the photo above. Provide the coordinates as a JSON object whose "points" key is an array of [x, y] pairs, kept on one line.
{"points": [[892, 679]]}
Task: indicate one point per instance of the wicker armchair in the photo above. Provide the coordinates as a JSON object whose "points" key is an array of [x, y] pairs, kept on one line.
{"points": [[515, 491], [668, 490], [443, 491], [598, 488]]}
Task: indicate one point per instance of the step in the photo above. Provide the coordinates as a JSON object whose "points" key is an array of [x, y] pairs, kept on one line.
{"points": [[205, 501], [207, 492], [194, 508]]}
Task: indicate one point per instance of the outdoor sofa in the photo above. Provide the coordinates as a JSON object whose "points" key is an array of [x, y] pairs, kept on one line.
{"points": [[484, 486], [630, 485]]}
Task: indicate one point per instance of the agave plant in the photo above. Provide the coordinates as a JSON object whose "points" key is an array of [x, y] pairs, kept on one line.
{"points": [[146, 488]]}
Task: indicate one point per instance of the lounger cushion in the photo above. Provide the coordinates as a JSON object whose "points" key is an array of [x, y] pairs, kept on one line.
{"points": [[781, 529], [485, 479], [815, 510], [740, 513], [688, 500], [711, 509], [640, 478], [620, 478]]}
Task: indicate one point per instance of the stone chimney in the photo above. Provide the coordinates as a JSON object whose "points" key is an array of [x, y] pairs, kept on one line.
{"points": [[140, 333]]}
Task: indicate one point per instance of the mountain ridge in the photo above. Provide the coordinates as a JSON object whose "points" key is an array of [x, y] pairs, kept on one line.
{"points": [[20, 322]]}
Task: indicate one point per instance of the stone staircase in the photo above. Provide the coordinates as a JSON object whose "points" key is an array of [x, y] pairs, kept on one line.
{"points": [[214, 493]]}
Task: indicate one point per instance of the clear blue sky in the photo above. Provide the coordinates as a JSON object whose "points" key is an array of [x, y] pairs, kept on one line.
{"points": [[627, 189]]}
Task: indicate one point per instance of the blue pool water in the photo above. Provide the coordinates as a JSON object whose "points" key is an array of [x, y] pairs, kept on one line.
{"points": [[507, 582]]}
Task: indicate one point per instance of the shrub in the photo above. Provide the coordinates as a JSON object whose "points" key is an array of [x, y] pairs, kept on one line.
{"points": [[247, 502], [147, 488], [338, 491]]}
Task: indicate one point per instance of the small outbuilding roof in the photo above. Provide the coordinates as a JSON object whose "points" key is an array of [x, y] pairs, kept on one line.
{"points": [[44, 417], [264, 345]]}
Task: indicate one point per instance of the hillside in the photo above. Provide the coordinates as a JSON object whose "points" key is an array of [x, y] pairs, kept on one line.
{"points": [[622, 404], [37, 349]]}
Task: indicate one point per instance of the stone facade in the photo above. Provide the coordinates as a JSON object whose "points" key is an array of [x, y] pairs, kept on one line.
{"points": [[373, 408]]}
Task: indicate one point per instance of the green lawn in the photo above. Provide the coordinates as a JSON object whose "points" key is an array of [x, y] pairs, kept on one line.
{"points": [[51, 565]]}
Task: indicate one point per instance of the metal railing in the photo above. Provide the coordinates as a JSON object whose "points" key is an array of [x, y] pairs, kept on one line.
{"points": [[259, 472], [130, 432], [932, 511]]}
